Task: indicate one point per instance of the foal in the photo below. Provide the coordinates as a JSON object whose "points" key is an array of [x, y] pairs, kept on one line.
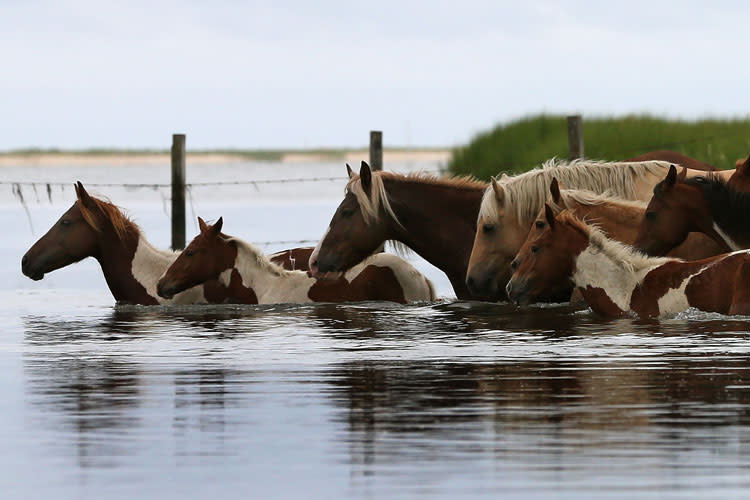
{"points": [[251, 278], [703, 204], [616, 279]]}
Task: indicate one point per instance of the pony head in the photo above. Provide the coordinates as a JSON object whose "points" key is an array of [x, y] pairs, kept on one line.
{"points": [[79, 233]]}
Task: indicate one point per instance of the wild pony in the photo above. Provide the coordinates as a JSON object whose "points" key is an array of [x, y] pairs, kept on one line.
{"points": [[434, 216], [251, 278], [703, 204], [131, 265], [620, 219], [616, 279], [510, 205]]}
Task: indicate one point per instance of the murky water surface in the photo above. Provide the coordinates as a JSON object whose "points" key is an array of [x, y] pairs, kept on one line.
{"points": [[448, 400]]}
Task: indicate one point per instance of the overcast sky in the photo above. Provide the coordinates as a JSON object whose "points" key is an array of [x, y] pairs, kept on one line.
{"points": [[298, 74]]}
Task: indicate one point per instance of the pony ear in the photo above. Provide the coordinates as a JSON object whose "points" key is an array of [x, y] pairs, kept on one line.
{"points": [[743, 166], [550, 216], [554, 189], [202, 225], [216, 228], [670, 180], [499, 191], [365, 175], [349, 171], [83, 196]]}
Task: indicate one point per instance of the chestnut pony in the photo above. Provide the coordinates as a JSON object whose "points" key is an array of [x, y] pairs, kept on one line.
{"points": [[615, 279], [131, 265], [509, 206], [434, 216], [704, 204], [621, 219], [251, 278]]}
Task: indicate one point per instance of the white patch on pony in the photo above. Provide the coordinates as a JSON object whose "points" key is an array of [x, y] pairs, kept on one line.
{"points": [[149, 264], [316, 250], [727, 239], [526, 193], [415, 286], [614, 267]]}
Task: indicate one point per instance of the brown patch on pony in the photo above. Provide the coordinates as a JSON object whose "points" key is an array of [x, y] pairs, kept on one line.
{"points": [[674, 157], [600, 302], [373, 281], [294, 259]]}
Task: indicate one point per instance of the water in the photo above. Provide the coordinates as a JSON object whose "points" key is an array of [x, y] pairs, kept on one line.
{"points": [[448, 400]]}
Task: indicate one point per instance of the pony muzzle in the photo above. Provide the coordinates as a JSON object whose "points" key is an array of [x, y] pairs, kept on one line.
{"points": [[166, 291], [518, 291]]}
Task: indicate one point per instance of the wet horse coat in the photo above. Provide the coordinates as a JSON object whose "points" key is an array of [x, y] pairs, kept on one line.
{"points": [[615, 279], [250, 278], [131, 265], [434, 216]]}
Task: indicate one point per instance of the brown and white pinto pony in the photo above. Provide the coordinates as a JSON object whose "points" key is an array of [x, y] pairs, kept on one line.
{"points": [[434, 216], [131, 265], [616, 279], [703, 204], [621, 219], [510, 205], [251, 278]]}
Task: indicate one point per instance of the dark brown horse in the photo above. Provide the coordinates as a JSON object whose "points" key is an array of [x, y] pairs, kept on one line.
{"points": [[251, 278], [615, 279], [702, 204], [131, 265], [434, 216]]}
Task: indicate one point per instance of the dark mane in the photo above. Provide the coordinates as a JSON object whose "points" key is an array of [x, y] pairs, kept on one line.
{"points": [[728, 206], [122, 224]]}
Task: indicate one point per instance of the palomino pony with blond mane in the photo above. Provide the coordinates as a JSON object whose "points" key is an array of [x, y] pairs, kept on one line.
{"points": [[251, 278], [703, 204], [616, 279], [131, 265], [434, 216], [510, 205]]}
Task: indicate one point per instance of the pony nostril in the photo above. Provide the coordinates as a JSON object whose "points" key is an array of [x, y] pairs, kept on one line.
{"points": [[470, 282], [514, 265], [24, 260]]}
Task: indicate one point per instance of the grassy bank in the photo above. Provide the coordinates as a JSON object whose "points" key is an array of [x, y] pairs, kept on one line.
{"points": [[526, 143]]}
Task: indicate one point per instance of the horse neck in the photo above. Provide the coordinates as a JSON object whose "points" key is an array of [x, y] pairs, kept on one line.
{"points": [[619, 221], [132, 266], [727, 223], [438, 221], [598, 268]]}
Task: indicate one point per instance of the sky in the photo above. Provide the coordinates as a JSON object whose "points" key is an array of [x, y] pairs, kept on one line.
{"points": [[300, 74]]}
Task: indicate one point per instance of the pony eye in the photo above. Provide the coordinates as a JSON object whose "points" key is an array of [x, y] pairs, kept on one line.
{"points": [[189, 253], [651, 216], [534, 249], [488, 228], [540, 224], [347, 213], [66, 222]]}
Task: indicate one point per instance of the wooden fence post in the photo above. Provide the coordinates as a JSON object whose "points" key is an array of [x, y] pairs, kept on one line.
{"points": [[376, 149], [178, 191], [575, 137]]}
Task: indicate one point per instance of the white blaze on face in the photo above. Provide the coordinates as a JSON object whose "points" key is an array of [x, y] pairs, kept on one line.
{"points": [[316, 251]]}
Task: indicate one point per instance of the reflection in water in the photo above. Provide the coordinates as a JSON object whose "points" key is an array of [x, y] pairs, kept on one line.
{"points": [[553, 394]]}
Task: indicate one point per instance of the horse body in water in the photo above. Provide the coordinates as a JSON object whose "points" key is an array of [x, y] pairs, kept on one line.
{"points": [[510, 205], [615, 279], [433, 216], [251, 278], [703, 204], [130, 264]]}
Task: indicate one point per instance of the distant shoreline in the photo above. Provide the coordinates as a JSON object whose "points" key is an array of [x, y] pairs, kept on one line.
{"points": [[122, 157]]}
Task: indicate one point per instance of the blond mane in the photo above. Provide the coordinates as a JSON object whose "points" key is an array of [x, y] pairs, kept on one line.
{"points": [[526, 193], [625, 256], [121, 223]]}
